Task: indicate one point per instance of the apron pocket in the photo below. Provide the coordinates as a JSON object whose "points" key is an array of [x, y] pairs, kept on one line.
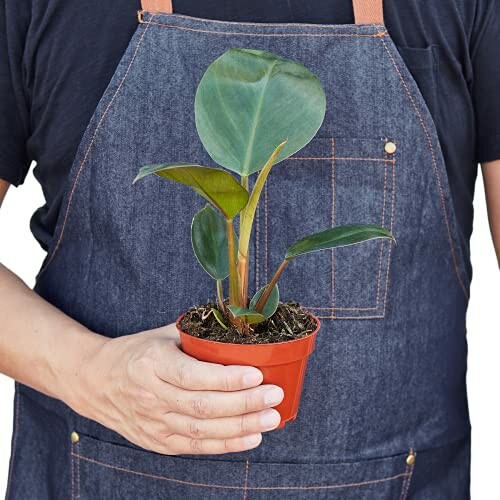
{"points": [[110, 471], [332, 181]]}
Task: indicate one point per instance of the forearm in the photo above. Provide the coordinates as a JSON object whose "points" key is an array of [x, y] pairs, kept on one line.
{"points": [[491, 175], [39, 345]]}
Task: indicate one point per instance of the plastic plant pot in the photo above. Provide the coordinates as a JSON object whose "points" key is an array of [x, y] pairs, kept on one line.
{"points": [[282, 363]]}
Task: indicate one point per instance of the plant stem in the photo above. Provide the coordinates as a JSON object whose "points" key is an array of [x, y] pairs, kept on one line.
{"points": [[243, 277], [247, 216], [220, 297], [259, 307], [234, 296], [242, 259]]}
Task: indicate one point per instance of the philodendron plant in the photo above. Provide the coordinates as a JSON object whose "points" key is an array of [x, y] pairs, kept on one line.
{"points": [[253, 109]]}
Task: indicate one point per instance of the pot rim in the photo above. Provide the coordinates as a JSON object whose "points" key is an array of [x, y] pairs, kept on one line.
{"points": [[286, 342]]}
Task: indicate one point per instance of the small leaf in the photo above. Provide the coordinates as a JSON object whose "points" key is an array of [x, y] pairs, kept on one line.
{"points": [[271, 304], [249, 316], [217, 186], [218, 316], [335, 237], [209, 240]]}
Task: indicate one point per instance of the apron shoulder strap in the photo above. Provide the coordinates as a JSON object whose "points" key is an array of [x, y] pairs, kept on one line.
{"points": [[157, 6], [368, 11], [365, 11]]}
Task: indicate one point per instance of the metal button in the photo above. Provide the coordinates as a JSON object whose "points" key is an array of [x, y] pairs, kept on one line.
{"points": [[75, 437], [410, 459], [390, 148]]}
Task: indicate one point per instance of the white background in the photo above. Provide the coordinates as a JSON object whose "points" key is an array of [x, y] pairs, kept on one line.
{"points": [[21, 253]]}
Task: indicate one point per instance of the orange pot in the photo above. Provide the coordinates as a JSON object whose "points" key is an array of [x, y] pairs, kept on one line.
{"points": [[282, 363]]}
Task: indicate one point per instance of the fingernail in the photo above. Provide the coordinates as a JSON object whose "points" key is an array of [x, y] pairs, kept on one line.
{"points": [[251, 378], [253, 439], [270, 419], [273, 396]]}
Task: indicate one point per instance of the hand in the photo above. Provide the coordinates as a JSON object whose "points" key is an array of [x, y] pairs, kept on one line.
{"points": [[146, 389]]}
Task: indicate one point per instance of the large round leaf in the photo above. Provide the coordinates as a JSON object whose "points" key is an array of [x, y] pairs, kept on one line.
{"points": [[335, 237], [209, 239], [215, 185], [249, 101]]}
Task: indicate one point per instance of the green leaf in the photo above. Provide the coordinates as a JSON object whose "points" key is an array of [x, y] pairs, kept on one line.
{"points": [[271, 304], [209, 240], [248, 214], [335, 237], [217, 186], [249, 316], [218, 316], [248, 101]]}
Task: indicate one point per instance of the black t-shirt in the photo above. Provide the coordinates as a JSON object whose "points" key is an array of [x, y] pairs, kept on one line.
{"points": [[57, 57]]}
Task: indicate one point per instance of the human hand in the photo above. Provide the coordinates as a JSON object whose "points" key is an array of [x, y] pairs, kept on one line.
{"points": [[149, 391]]}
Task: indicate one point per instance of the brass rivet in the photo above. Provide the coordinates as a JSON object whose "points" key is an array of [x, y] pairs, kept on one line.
{"points": [[410, 459], [75, 437], [390, 148]]}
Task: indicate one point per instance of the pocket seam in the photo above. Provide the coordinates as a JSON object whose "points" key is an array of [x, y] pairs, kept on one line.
{"points": [[405, 474], [407, 482], [331, 311]]}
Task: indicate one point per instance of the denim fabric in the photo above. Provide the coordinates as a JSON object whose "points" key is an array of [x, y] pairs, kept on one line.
{"points": [[388, 373]]}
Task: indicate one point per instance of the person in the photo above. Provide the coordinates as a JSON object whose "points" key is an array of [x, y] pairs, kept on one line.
{"points": [[101, 410]]}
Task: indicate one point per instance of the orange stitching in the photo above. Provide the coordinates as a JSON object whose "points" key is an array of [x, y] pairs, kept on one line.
{"points": [[333, 224], [343, 308], [380, 316], [249, 488], [389, 252], [14, 439], [218, 21], [390, 243], [434, 162], [72, 476], [89, 148], [245, 484], [78, 473], [339, 158], [236, 33], [406, 483], [382, 242]]}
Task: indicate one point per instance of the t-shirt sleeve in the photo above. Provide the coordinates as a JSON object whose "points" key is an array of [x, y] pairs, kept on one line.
{"points": [[485, 55], [14, 159]]}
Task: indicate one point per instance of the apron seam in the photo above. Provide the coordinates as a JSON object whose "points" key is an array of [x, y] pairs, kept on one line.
{"points": [[89, 149], [435, 165], [17, 423], [333, 221], [379, 34], [401, 475], [245, 483], [407, 482], [243, 23]]}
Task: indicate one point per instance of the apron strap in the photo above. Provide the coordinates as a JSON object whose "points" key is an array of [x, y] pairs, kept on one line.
{"points": [[368, 11], [157, 6], [365, 11]]}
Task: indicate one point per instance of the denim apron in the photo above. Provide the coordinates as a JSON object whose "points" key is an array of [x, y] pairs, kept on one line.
{"points": [[384, 410]]}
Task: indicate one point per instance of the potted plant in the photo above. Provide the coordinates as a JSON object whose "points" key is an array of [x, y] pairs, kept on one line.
{"points": [[253, 109]]}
